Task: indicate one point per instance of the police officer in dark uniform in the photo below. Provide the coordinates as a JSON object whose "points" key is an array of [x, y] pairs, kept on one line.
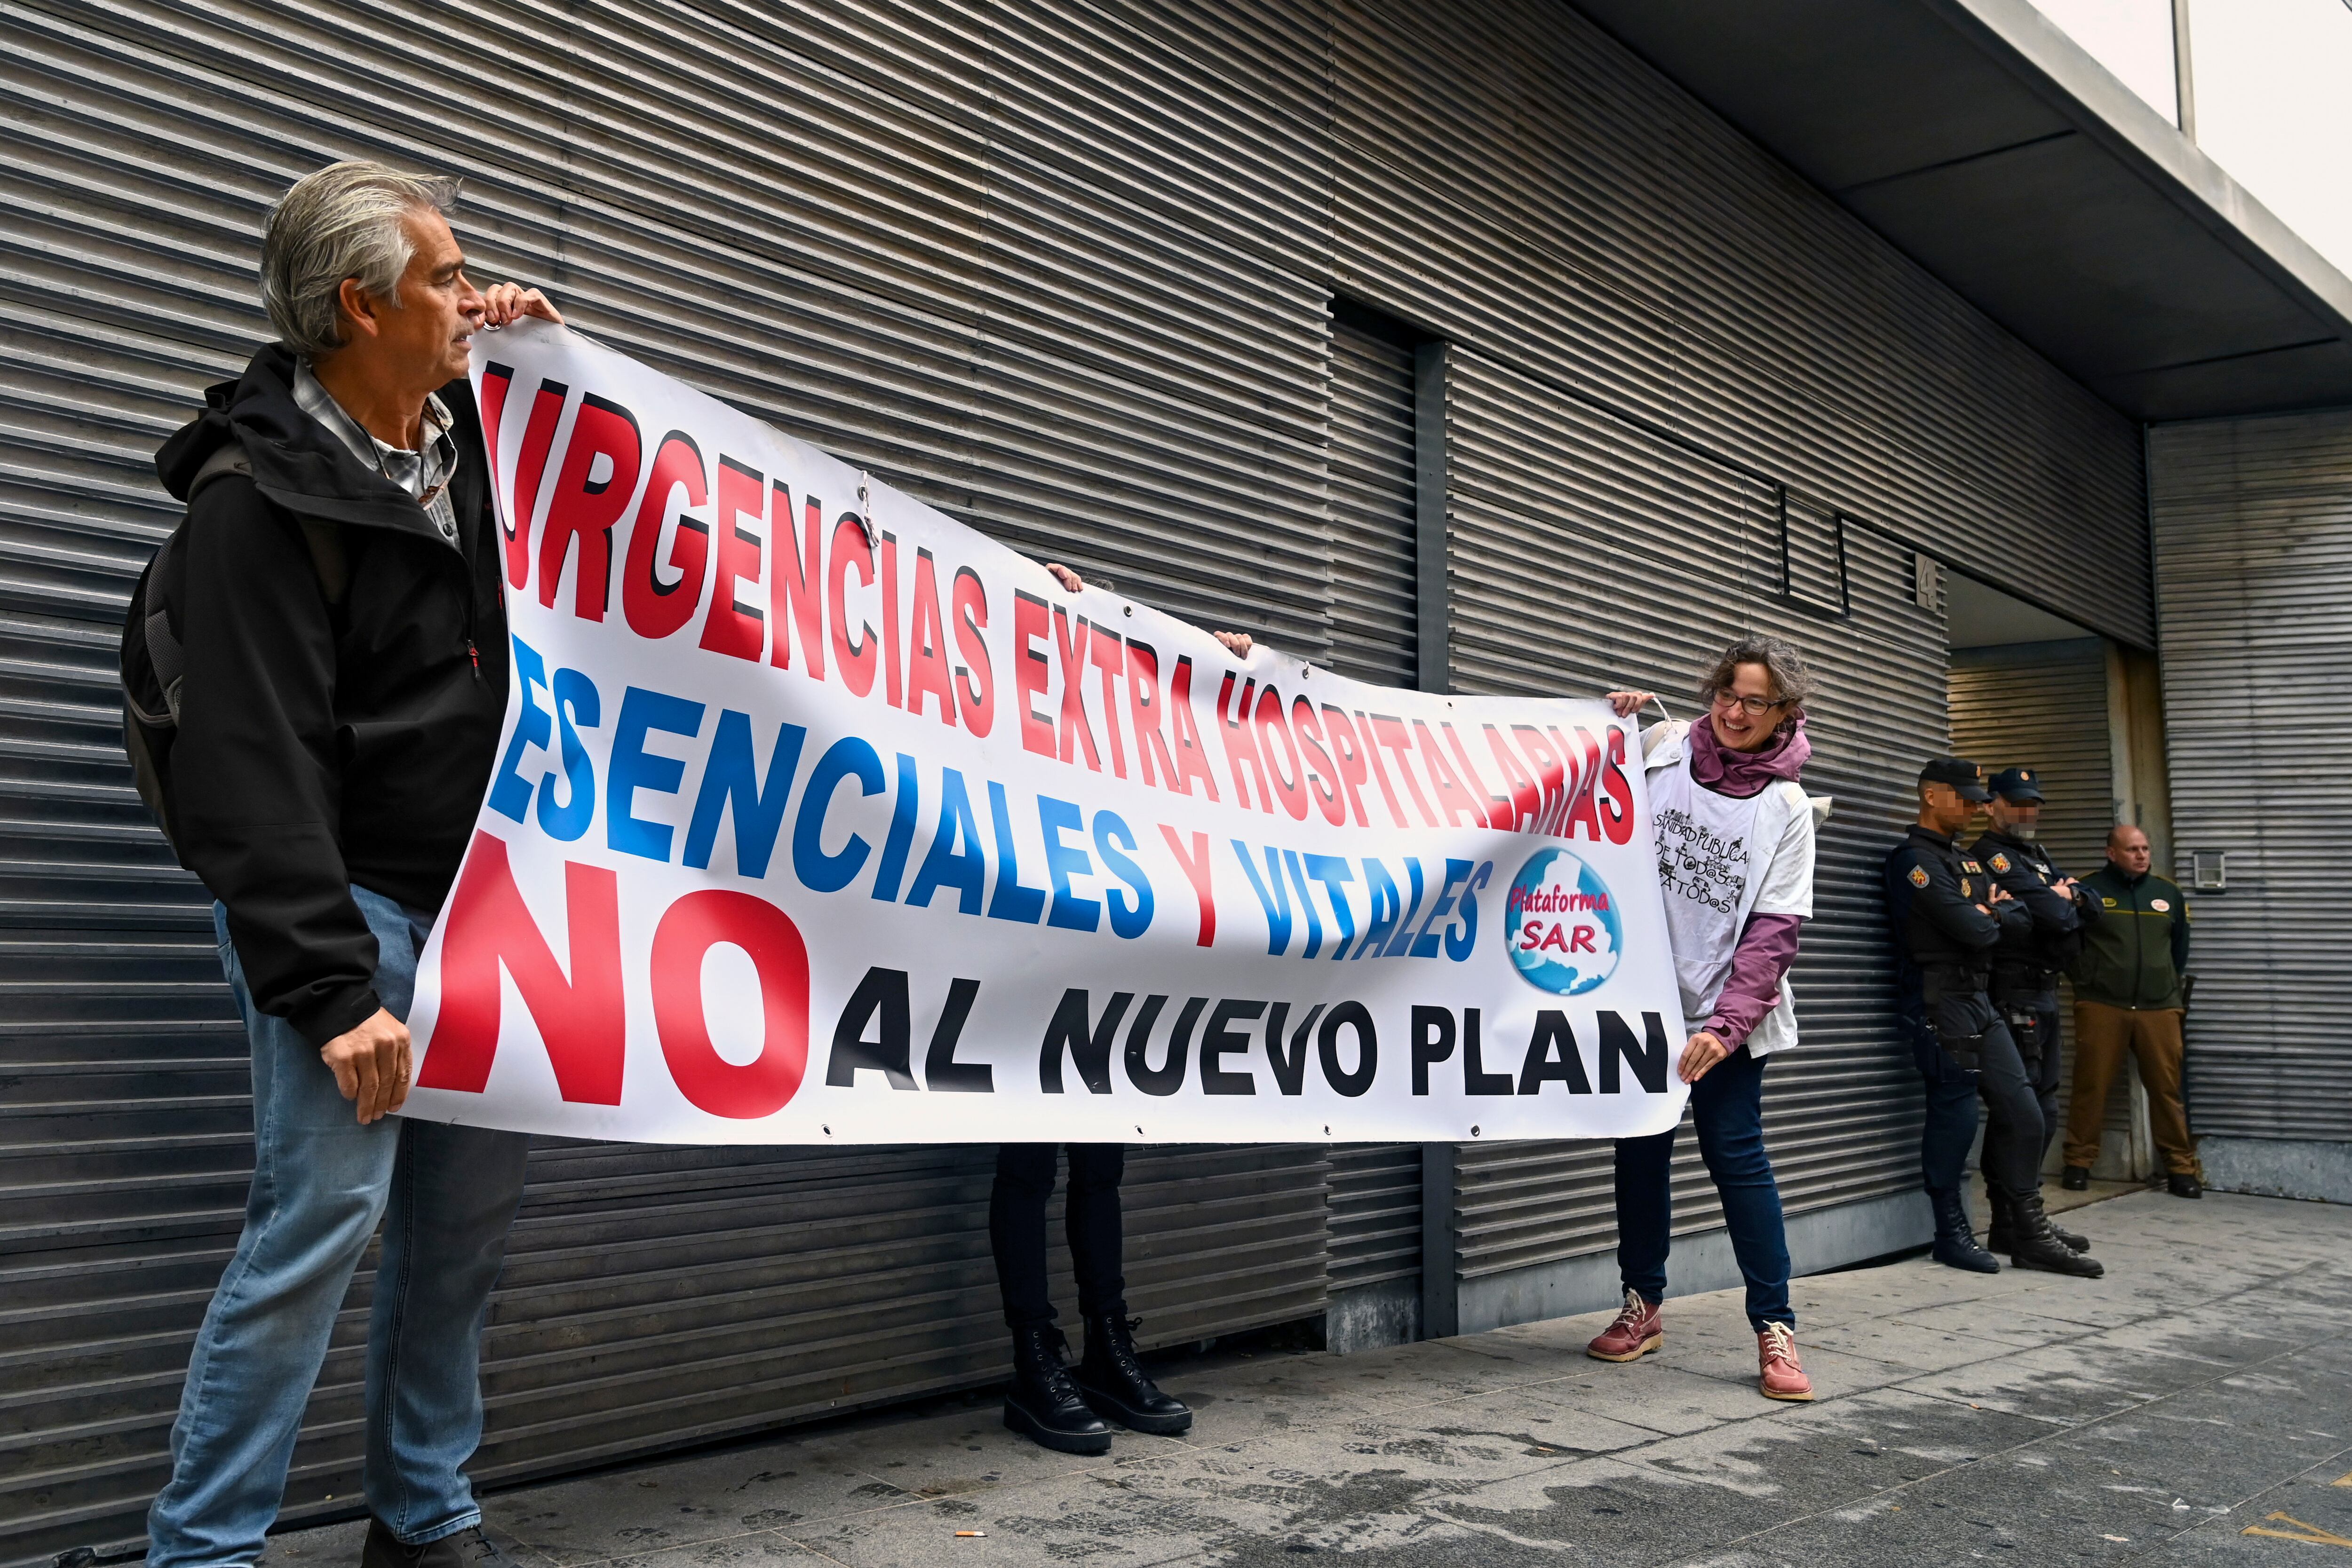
{"points": [[2025, 966], [1946, 917]]}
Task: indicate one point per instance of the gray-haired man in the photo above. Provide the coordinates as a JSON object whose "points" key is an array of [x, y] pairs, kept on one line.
{"points": [[335, 594]]}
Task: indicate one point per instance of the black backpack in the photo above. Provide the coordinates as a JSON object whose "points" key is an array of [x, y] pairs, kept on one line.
{"points": [[153, 662]]}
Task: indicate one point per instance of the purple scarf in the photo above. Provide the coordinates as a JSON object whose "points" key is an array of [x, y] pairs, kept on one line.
{"points": [[1740, 774]]}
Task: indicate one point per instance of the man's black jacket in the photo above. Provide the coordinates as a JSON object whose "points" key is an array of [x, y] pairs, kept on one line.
{"points": [[322, 744]]}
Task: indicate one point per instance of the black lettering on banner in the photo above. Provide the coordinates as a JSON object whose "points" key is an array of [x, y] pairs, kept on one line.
{"points": [[1356, 1015], [1165, 1080], [881, 994], [1089, 1049], [1475, 1079], [1552, 1057], [1648, 1058], [942, 1073], [1289, 1066], [1220, 1039], [1433, 1041]]}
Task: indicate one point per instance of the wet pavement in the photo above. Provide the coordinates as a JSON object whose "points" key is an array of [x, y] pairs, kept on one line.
{"points": [[2192, 1407]]}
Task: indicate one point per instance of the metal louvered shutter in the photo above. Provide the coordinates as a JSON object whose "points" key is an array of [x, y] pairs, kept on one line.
{"points": [[792, 210], [1373, 588], [2043, 706], [1659, 341], [2253, 565]]}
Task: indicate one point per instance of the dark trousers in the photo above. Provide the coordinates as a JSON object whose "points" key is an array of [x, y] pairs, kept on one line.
{"points": [[1727, 1110], [2015, 1132], [1016, 1228], [2037, 1046]]}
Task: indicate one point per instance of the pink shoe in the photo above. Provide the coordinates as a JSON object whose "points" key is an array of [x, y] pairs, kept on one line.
{"points": [[1637, 1331], [1779, 1376]]}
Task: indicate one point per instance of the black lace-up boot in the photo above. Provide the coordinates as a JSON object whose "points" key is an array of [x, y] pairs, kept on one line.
{"points": [[1956, 1239], [1116, 1385], [2032, 1244], [1043, 1403], [1997, 1233]]}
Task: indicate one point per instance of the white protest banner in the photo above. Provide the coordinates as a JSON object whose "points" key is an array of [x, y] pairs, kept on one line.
{"points": [[820, 818]]}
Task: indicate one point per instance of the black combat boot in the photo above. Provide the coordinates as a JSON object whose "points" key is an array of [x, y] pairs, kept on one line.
{"points": [[1956, 1239], [1116, 1385], [1997, 1236], [1043, 1403], [2032, 1246]]}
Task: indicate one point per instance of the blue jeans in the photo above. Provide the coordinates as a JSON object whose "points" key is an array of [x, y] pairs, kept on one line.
{"points": [[320, 1183], [1728, 1108]]}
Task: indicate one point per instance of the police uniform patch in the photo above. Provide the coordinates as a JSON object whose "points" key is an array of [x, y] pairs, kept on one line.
{"points": [[1971, 865], [1919, 877], [1966, 891], [2001, 863], [2162, 905]]}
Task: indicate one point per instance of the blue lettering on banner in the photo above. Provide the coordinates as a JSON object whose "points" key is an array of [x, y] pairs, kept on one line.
{"points": [[633, 768], [509, 796], [732, 783], [575, 710], [848, 757]]}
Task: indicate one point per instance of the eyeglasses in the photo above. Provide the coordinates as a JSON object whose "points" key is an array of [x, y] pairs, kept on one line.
{"points": [[1755, 706]]}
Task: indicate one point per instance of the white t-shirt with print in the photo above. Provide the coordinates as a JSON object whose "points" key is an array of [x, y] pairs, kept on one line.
{"points": [[1721, 860]]}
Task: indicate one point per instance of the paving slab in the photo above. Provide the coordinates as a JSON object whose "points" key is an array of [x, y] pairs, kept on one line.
{"points": [[2201, 1391]]}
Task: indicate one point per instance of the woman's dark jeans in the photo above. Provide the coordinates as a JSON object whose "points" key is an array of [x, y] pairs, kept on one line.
{"points": [[1727, 1107], [1016, 1228]]}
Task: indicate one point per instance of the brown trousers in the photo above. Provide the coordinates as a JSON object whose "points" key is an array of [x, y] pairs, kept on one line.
{"points": [[2102, 1035]]}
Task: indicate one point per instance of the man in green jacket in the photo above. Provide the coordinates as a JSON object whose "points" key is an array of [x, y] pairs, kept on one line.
{"points": [[2128, 995]]}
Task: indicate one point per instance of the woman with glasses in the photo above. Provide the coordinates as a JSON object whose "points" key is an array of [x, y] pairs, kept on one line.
{"points": [[1735, 842]]}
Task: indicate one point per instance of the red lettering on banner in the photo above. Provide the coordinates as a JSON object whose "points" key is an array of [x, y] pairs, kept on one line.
{"points": [[927, 646], [1498, 807], [1583, 811], [1241, 744], [976, 697], [1272, 724], [1070, 643], [1321, 777], [1526, 802], [654, 609], [731, 626], [1143, 715], [1391, 734], [1380, 774], [1032, 672], [1191, 758], [1452, 800], [580, 1019], [585, 507], [688, 930], [1349, 747], [1103, 652], [893, 690], [1618, 820], [1550, 777], [531, 470], [794, 579], [497, 381], [850, 548], [1197, 872]]}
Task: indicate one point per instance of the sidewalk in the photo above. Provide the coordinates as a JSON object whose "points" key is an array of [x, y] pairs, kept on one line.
{"points": [[2201, 1390]]}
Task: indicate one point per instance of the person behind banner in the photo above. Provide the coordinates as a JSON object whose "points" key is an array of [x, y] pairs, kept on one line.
{"points": [[1049, 1402], [315, 673], [1734, 843]]}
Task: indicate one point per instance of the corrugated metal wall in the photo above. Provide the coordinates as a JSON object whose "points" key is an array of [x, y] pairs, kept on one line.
{"points": [[2253, 567], [2043, 706], [1063, 269]]}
